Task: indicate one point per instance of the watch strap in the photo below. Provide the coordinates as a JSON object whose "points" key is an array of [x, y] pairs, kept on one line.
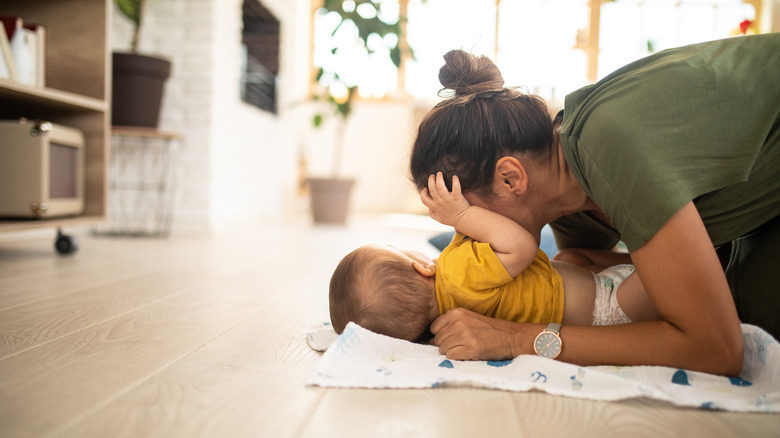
{"points": [[553, 327]]}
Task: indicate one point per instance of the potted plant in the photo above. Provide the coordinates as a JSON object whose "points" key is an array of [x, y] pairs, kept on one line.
{"points": [[138, 81], [330, 195]]}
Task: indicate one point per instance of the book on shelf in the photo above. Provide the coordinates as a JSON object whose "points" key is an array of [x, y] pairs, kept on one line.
{"points": [[7, 66], [27, 43]]}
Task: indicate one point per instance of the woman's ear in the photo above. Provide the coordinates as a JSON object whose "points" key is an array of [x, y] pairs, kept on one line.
{"points": [[511, 175], [425, 271]]}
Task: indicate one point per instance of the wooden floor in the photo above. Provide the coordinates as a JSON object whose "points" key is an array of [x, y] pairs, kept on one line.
{"points": [[204, 336]]}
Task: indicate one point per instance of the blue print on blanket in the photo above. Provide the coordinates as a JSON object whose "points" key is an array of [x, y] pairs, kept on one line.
{"points": [[761, 340], [739, 381], [575, 384], [576, 380], [680, 377], [360, 358], [346, 339], [537, 376]]}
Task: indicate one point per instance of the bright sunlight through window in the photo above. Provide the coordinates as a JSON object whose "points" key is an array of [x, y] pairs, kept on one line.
{"points": [[540, 45]]}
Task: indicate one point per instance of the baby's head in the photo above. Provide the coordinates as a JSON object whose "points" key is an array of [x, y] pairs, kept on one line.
{"points": [[385, 290]]}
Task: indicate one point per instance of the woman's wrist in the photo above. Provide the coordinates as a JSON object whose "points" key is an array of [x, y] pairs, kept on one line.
{"points": [[523, 339]]}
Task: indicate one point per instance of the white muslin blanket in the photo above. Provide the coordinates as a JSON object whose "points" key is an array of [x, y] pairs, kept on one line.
{"points": [[359, 358]]}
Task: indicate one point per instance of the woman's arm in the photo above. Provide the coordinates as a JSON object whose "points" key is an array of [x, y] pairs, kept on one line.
{"points": [[699, 328], [515, 247]]}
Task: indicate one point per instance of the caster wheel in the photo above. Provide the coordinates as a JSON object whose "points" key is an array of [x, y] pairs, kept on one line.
{"points": [[65, 244]]}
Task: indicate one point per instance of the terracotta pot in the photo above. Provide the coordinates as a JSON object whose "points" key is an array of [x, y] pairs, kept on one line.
{"points": [[137, 89], [330, 199]]}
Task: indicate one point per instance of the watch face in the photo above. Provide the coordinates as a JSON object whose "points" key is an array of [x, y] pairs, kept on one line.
{"points": [[547, 345]]}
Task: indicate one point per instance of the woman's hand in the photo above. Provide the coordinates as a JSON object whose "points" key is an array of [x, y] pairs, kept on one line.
{"points": [[464, 335], [444, 206]]}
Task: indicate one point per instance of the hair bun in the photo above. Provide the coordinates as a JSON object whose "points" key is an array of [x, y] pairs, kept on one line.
{"points": [[465, 73]]}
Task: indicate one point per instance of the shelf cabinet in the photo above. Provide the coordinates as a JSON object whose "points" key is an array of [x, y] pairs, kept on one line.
{"points": [[77, 91]]}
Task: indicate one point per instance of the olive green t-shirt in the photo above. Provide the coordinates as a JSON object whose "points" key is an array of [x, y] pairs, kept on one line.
{"points": [[698, 123]]}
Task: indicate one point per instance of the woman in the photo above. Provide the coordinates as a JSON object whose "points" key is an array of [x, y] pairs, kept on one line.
{"points": [[677, 155]]}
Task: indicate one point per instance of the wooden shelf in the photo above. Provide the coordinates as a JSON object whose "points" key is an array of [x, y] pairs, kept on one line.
{"points": [[77, 92], [135, 131], [13, 225], [15, 92]]}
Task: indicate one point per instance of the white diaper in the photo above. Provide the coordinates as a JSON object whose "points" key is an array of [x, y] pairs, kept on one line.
{"points": [[607, 311]]}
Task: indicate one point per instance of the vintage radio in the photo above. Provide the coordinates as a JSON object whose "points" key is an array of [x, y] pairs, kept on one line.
{"points": [[41, 169]]}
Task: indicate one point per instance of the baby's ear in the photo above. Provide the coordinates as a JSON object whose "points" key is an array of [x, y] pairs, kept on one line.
{"points": [[425, 271]]}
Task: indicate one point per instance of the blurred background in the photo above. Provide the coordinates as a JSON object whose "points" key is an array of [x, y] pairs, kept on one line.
{"points": [[269, 93]]}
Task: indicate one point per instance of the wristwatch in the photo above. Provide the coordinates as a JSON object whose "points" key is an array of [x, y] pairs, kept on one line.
{"points": [[548, 342]]}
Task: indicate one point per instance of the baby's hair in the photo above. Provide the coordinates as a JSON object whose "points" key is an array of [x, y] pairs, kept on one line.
{"points": [[380, 294], [479, 122]]}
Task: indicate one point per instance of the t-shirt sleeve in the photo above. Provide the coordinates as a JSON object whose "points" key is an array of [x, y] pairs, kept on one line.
{"points": [[472, 265]]}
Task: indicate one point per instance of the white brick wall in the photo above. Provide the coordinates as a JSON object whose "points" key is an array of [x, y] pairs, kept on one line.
{"points": [[236, 159], [239, 163]]}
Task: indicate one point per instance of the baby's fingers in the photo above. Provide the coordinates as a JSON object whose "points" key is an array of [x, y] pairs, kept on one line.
{"points": [[432, 189], [455, 185], [441, 186], [425, 197]]}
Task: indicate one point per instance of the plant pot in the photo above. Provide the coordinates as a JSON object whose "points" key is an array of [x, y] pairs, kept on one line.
{"points": [[137, 89], [330, 199]]}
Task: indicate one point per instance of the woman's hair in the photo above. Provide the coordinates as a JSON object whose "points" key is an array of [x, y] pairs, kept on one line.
{"points": [[480, 122], [380, 294]]}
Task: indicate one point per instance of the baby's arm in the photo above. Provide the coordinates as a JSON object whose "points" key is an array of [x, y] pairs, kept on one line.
{"points": [[515, 247]]}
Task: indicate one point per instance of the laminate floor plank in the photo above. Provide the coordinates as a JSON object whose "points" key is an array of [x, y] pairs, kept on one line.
{"points": [[203, 336], [414, 413], [40, 275], [27, 326], [544, 415], [245, 383], [43, 389], [26, 259]]}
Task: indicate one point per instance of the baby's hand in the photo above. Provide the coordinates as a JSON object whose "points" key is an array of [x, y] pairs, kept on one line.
{"points": [[444, 206]]}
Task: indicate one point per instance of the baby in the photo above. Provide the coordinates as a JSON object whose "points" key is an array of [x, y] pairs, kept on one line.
{"points": [[498, 271]]}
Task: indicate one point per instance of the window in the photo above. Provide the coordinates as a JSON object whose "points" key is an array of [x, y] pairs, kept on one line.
{"points": [[542, 45], [438, 26], [537, 45], [261, 56], [632, 29], [369, 66]]}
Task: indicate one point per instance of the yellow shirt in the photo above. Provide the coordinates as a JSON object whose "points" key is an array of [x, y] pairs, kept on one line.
{"points": [[470, 275]]}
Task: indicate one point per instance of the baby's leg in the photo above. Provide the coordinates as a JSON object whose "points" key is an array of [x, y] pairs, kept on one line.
{"points": [[606, 310], [621, 297], [633, 299]]}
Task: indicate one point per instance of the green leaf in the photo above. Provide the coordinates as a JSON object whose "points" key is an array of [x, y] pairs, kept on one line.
{"points": [[131, 9], [395, 56], [332, 5], [317, 120]]}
